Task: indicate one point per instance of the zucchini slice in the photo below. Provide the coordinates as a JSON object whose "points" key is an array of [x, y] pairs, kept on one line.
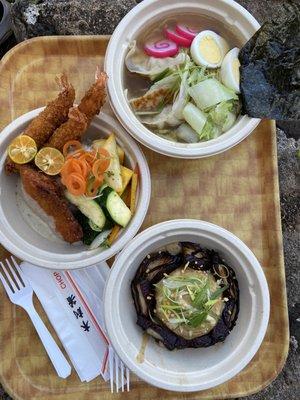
{"points": [[113, 174], [115, 206], [89, 208]]}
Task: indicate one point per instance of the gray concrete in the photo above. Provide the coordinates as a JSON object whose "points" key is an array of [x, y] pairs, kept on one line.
{"points": [[82, 17]]}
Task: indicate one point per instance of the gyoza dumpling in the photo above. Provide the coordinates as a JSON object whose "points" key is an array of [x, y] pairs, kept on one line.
{"points": [[162, 120], [171, 115], [159, 93]]}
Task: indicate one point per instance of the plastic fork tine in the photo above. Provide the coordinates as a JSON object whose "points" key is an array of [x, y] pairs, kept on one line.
{"points": [[111, 369], [127, 379], [122, 376], [11, 282], [117, 372], [5, 284], [22, 276], [17, 280]]}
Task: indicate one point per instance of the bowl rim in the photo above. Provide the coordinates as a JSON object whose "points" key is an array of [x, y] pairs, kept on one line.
{"points": [[111, 298], [133, 227], [126, 116]]}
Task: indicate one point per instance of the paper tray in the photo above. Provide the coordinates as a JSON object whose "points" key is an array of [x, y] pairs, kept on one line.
{"points": [[237, 190]]}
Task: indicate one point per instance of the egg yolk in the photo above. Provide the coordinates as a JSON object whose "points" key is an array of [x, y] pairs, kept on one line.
{"points": [[210, 50], [236, 69]]}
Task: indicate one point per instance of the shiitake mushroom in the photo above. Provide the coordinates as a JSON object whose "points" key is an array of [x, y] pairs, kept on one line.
{"points": [[157, 266]]}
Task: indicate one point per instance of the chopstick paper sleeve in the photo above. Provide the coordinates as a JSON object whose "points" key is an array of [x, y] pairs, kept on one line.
{"points": [[72, 317]]}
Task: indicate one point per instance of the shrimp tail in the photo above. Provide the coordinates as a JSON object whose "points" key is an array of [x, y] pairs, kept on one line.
{"points": [[95, 97], [100, 76], [63, 82]]}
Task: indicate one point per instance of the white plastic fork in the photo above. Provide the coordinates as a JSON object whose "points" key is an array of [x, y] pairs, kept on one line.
{"points": [[20, 293], [117, 372]]}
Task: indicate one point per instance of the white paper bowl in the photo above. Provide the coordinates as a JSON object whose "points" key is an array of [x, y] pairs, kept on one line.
{"points": [[189, 369], [24, 242], [231, 14]]}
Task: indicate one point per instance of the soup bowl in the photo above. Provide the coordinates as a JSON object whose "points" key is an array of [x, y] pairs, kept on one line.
{"points": [[227, 15], [189, 369], [17, 231]]}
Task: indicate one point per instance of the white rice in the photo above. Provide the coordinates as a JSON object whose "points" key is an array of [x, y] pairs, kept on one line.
{"points": [[35, 216]]}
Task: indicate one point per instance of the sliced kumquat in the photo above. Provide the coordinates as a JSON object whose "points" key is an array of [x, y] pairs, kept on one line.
{"points": [[22, 149], [49, 160], [76, 184], [71, 146]]}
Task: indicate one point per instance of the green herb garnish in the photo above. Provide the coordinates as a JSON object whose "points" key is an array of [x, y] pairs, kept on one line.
{"points": [[188, 299]]}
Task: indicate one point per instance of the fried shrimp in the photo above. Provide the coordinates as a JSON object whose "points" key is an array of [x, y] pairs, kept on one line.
{"points": [[73, 129], [48, 194], [95, 97], [56, 112]]}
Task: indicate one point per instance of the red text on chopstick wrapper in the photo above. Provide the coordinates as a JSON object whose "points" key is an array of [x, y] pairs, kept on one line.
{"points": [[59, 280]]}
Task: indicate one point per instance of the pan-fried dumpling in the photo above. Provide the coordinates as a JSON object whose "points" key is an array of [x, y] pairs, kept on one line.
{"points": [[159, 93], [137, 61], [171, 115], [165, 118]]}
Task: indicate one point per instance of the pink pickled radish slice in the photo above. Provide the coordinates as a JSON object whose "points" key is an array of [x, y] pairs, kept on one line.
{"points": [[180, 40], [186, 32], [161, 49]]}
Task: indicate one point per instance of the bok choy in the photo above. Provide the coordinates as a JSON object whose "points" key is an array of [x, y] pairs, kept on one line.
{"points": [[210, 92], [194, 117]]}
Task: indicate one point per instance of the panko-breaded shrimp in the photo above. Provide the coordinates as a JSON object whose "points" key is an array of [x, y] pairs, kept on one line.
{"points": [[56, 112], [95, 97], [48, 194], [73, 129]]}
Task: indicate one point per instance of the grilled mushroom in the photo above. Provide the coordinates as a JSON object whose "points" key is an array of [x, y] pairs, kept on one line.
{"points": [[198, 263]]}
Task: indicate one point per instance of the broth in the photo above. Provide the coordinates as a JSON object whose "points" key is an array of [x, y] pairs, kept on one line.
{"points": [[137, 85]]}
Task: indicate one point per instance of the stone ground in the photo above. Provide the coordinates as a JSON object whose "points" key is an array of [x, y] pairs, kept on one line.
{"points": [[78, 17]]}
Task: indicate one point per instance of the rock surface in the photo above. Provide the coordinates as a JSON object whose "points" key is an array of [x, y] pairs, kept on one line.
{"points": [[80, 17], [32, 18], [67, 17]]}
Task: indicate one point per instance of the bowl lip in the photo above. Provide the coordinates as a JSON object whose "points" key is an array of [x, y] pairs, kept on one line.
{"points": [[135, 224], [111, 299], [136, 128]]}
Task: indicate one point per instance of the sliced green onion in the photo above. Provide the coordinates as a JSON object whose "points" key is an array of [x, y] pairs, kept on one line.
{"points": [[218, 292]]}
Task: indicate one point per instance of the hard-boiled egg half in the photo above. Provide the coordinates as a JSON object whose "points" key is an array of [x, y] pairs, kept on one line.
{"points": [[230, 70], [209, 49]]}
